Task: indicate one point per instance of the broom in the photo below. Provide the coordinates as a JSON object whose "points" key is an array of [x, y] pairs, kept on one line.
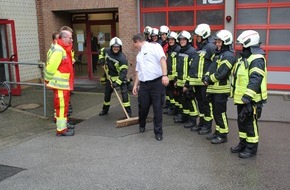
{"points": [[129, 120]]}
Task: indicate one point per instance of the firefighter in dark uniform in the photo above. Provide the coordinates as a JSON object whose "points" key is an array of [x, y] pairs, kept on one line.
{"points": [[173, 50], [249, 91], [199, 66], [185, 100], [116, 64], [218, 84], [163, 33]]}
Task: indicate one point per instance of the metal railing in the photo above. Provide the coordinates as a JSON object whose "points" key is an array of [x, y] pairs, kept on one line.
{"points": [[40, 65]]}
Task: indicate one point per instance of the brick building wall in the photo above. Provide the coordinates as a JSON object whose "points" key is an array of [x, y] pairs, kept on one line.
{"points": [[55, 13], [24, 15]]}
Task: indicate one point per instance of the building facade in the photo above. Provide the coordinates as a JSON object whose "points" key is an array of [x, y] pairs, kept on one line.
{"points": [[124, 18]]}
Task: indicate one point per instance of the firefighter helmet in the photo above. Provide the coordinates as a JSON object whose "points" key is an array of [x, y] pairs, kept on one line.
{"points": [[116, 42], [225, 36], [173, 35], [202, 30], [164, 30], [147, 30], [185, 34], [155, 32], [249, 38]]}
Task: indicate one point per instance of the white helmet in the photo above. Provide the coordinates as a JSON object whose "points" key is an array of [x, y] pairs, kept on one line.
{"points": [[164, 30], [147, 30], [225, 36], [155, 32], [116, 42], [249, 38], [203, 30], [185, 34], [173, 35]]}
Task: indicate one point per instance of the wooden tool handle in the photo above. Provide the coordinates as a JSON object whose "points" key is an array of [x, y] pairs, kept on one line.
{"points": [[109, 78]]}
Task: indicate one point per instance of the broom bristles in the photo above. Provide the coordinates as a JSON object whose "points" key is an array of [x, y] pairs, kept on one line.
{"points": [[127, 122]]}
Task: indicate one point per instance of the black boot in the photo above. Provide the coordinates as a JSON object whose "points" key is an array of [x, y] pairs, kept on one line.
{"points": [[219, 139], [201, 122], [181, 118], [199, 126], [212, 136], [67, 133], [177, 118], [250, 150], [172, 110], [240, 147], [103, 112], [191, 122], [206, 128]]}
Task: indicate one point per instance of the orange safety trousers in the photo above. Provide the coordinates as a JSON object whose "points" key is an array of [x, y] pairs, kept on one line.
{"points": [[61, 102]]}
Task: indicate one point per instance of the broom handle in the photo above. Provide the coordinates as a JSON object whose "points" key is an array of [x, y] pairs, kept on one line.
{"points": [[117, 94]]}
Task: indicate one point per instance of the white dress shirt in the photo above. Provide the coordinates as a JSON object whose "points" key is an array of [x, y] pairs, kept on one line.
{"points": [[148, 61]]}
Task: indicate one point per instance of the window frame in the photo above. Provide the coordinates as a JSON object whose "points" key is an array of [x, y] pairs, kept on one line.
{"points": [[268, 27], [195, 7]]}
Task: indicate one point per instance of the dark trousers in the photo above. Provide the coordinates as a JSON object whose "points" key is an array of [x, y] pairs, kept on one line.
{"points": [[219, 105], [203, 104], [189, 103], [108, 93], [150, 93], [169, 92], [178, 98], [248, 128]]}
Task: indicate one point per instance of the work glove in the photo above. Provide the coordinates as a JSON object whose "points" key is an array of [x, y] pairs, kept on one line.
{"points": [[208, 98], [246, 111], [103, 80], [101, 61], [259, 112], [115, 85], [205, 79]]}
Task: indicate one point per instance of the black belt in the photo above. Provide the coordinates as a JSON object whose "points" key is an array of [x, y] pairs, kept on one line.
{"points": [[151, 81]]}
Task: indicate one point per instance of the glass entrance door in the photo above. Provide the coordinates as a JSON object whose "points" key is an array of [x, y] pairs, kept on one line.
{"points": [[80, 51], [92, 32], [101, 35]]}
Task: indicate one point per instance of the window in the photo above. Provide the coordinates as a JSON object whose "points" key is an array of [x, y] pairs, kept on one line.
{"points": [[182, 14], [154, 19], [279, 37], [211, 17], [184, 18], [281, 56], [280, 15], [177, 3], [271, 19], [251, 1], [260, 16]]}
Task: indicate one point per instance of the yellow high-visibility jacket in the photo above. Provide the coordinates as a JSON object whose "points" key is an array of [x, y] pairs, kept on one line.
{"points": [[59, 70]]}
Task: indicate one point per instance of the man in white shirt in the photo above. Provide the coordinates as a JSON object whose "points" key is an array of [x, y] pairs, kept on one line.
{"points": [[151, 74]]}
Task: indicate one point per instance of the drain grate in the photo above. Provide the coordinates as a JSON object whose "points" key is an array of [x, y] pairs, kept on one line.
{"points": [[8, 171], [27, 106]]}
